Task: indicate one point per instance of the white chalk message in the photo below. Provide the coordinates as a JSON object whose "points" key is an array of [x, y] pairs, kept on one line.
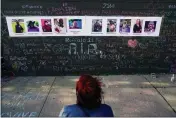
{"points": [[19, 114]]}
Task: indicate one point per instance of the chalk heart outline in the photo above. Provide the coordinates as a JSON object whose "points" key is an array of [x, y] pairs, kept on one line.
{"points": [[132, 43]]}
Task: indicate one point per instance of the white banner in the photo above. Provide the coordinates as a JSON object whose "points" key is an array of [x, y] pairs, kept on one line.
{"points": [[83, 26]]}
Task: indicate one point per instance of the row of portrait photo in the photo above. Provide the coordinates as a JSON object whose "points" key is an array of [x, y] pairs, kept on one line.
{"points": [[83, 26]]}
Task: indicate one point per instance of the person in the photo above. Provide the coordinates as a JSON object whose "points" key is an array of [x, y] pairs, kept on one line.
{"points": [[32, 27], [59, 26], [97, 27], [46, 27], [150, 27], [18, 27], [89, 100], [74, 25], [111, 26], [137, 27], [124, 27]]}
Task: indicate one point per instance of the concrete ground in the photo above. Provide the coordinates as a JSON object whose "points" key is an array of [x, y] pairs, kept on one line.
{"points": [[128, 95]]}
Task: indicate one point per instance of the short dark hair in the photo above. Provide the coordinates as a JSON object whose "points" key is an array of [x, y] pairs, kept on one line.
{"points": [[89, 92], [31, 23]]}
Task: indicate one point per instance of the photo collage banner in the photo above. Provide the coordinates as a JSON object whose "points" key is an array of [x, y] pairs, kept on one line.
{"points": [[83, 26]]}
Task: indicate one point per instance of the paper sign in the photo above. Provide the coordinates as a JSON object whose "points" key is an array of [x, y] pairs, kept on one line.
{"points": [[83, 26]]}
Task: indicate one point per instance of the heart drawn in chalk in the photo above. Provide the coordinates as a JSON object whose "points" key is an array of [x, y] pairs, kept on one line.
{"points": [[132, 43]]}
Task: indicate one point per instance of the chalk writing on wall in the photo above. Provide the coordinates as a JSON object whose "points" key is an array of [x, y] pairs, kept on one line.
{"points": [[70, 55], [108, 5], [172, 6], [26, 6]]}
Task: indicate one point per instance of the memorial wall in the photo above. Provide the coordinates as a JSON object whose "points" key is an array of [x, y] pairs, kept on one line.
{"points": [[71, 37]]}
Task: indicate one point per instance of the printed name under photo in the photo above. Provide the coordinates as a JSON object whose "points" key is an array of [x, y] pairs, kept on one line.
{"points": [[32, 26], [75, 25], [18, 26], [152, 26]]}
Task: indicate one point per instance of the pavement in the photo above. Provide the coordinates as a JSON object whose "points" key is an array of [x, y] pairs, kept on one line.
{"points": [[128, 95]]}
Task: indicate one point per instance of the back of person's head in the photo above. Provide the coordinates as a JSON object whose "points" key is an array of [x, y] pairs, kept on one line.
{"points": [[89, 92]]}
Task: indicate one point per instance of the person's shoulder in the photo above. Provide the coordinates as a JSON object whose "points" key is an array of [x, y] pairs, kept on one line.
{"points": [[68, 110], [105, 106], [70, 107], [107, 110]]}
